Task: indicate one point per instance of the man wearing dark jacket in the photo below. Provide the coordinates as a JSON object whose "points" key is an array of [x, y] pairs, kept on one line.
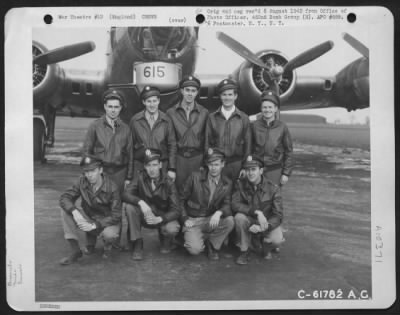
{"points": [[272, 141], [100, 214], [151, 128], [257, 205], [206, 204], [152, 202], [189, 120], [109, 139], [229, 130]]}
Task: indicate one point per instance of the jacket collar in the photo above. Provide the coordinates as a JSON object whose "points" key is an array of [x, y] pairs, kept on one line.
{"points": [[105, 186], [260, 186], [204, 177], [141, 115], [180, 106], [118, 121], [235, 112], [274, 123]]}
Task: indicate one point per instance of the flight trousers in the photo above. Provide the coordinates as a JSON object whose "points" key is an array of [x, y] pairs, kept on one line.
{"points": [[136, 221], [201, 230], [243, 235]]}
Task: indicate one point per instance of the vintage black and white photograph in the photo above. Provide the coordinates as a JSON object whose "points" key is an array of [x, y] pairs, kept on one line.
{"points": [[210, 165]]}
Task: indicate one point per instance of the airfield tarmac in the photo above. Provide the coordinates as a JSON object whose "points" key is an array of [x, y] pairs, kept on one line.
{"points": [[326, 226]]}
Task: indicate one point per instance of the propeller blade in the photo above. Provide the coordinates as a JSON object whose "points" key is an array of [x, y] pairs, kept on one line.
{"points": [[308, 56], [356, 44], [64, 53], [240, 49]]}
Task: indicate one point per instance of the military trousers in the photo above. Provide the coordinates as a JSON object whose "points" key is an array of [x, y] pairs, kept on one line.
{"points": [[201, 230], [274, 175], [136, 221], [185, 167], [243, 235], [117, 175], [71, 231]]}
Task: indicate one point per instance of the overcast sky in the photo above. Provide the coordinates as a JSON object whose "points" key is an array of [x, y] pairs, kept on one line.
{"points": [[215, 58]]}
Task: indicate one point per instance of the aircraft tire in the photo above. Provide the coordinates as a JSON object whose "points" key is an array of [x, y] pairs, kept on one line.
{"points": [[39, 141]]}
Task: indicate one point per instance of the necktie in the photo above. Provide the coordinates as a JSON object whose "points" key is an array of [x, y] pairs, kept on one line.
{"points": [[188, 113], [153, 185], [151, 121], [213, 185]]}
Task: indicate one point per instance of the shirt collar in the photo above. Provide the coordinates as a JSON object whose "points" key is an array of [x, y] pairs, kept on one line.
{"points": [[193, 106], [112, 123], [215, 179], [147, 115]]}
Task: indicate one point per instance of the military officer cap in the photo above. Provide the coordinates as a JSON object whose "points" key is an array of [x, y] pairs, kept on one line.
{"points": [[253, 160], [149, 91], [113, 94], [227, 84], [214, 154], [151, 155], [269, 95], [90, 162], [189, 80]]}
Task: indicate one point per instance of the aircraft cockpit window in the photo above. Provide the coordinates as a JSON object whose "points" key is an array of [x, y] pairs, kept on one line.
{"points": [[89, 89], [165, 43], [76, 88]]}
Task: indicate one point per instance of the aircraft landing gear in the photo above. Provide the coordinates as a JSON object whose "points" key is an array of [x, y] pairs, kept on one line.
{"points": [[39, 141]]}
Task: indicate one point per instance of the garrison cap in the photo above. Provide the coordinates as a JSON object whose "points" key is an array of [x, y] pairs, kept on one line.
{"points": [[214, 154], [253, 160], [151, 155], [149, 91], [113, 94], [269, 95], [227, 84], [190, 80], [90, 162]]}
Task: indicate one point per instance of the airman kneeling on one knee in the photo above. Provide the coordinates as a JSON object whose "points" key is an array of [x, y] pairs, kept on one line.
{"points": [[206, 206], [100, 215], [152, 201], [257, 204]]}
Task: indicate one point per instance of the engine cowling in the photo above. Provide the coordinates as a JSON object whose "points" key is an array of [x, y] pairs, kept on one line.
{"points": [[252, 79], [46, 79]]}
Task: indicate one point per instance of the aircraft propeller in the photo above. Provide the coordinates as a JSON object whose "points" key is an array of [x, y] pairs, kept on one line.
{"points": [[356, 44], [64, 53], [298, 61], [308, 55]]}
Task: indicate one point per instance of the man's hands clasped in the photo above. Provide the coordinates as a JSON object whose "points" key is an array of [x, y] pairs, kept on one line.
{"points": [[82, 223]]}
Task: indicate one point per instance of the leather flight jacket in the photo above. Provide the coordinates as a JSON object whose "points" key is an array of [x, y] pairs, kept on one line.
{"points": [[266, 197], [232, 136], [196, 193], [274, 143]]}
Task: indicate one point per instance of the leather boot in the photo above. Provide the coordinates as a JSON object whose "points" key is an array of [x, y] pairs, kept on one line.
{"points": [[266, 252], [107, 251], [89, 250], [137, 253], [166, 242], [212, 253], [75, 254], [243, 258]]}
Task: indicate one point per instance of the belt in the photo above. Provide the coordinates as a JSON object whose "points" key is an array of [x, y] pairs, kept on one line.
{"points": [[188, 152]]}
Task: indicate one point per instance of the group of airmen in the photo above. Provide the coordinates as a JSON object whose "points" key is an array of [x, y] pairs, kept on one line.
{"points": [[203, 180]]}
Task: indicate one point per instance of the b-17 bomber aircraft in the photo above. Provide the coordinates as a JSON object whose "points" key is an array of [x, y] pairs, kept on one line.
{"points": [[160, 56]]}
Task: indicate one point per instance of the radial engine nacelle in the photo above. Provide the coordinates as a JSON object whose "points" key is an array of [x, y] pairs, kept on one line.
{"points": [[47, 79], [253, 79]]}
